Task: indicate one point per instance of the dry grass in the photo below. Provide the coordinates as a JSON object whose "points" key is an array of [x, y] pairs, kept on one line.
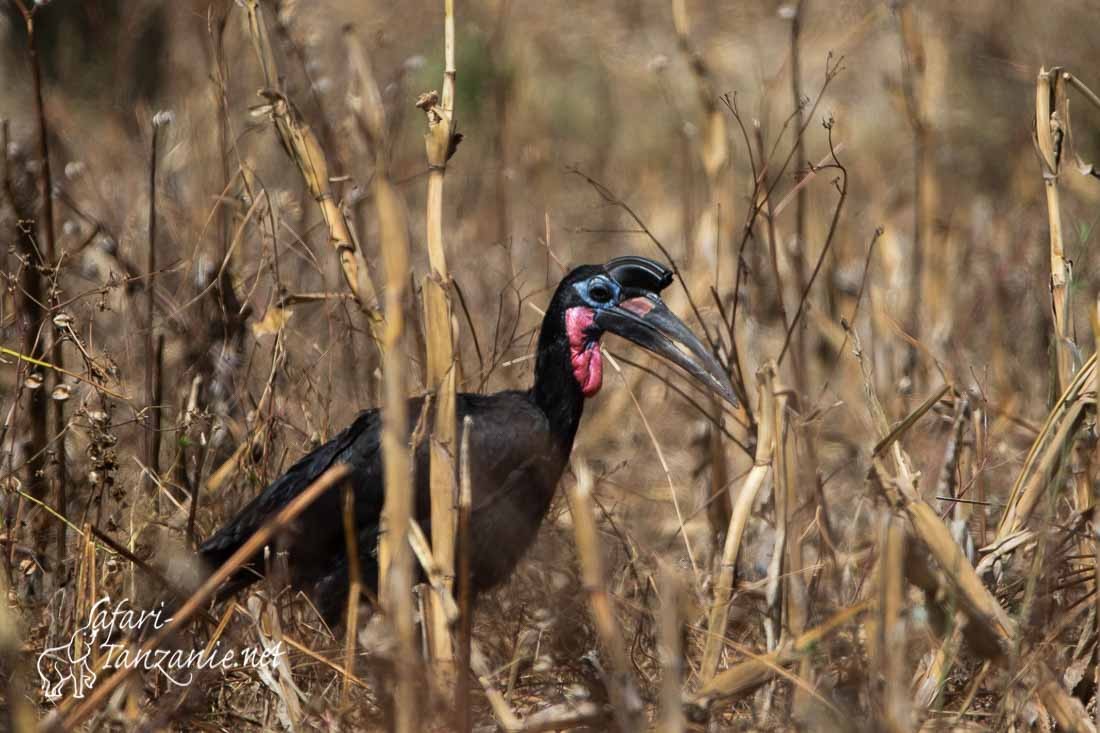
{"points": [[880, 218]]}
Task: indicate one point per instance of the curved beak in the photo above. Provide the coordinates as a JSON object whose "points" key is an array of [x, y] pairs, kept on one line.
{"points": [[648, 322]]}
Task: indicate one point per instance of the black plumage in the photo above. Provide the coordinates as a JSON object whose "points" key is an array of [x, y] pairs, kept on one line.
{"points": [[520, 443]]}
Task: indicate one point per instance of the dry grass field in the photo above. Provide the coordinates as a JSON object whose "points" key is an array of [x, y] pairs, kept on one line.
{"points": [[228, 227]]}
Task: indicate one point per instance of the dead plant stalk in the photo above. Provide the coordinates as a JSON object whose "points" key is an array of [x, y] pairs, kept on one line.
{"points": [[442, 362], [624, 696], [303, 147], [395, 562], [984, 614], [718, 617], [1050, 134]]}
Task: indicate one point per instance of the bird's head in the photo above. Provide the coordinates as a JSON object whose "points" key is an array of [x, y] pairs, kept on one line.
{"points": [[623, 297]]}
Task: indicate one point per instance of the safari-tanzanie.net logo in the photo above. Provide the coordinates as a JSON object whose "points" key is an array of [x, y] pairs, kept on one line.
{"points": [[104, 643]]}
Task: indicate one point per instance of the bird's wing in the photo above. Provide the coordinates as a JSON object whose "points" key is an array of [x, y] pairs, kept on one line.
{"points": [[357, 444], [513, 451]]}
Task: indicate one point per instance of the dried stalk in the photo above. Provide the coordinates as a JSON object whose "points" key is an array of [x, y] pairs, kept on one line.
{"points": [[32, 288], [670, 650], [798, 251], [442, 362], [891, 642], [552, 718], [928, 685], [714, 152], [395, 563], [1054, 438], [303, 147], [624, 695], [798, 612], [778, 568], [744, 677], [765, 450], [902, 493], [1051, 112], [912, 67], [714, 147], [32, 285], [985, 617], [924, 71], [394, 560]]}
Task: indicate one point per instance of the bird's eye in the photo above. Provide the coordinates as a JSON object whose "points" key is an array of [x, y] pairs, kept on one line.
{"points": [[600, 293]]}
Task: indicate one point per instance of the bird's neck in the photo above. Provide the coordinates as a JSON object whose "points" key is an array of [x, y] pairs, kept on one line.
{"points": [[556, 391]]}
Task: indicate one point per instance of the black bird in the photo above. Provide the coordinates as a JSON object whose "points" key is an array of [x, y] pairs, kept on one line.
{"points": [[519, 442]]}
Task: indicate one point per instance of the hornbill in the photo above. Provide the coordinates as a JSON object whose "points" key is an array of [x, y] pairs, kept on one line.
{"points": [[519, 443]]}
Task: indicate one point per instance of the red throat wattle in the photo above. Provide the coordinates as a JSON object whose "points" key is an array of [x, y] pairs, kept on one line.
{"points": [[584, 350]]}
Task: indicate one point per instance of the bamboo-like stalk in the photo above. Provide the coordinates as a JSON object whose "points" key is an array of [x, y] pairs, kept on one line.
{"points": [[395, 563], [714, 153], [394, 559], [891, 640], [1050, 121], [718, 617], [779, 570], [670, 651], [798, 251], [923, 74], [624, 695], [1049, 447], [442, 362], [902, 492], [912, 68], [715, 149], [795, 604], [302, 146]]}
